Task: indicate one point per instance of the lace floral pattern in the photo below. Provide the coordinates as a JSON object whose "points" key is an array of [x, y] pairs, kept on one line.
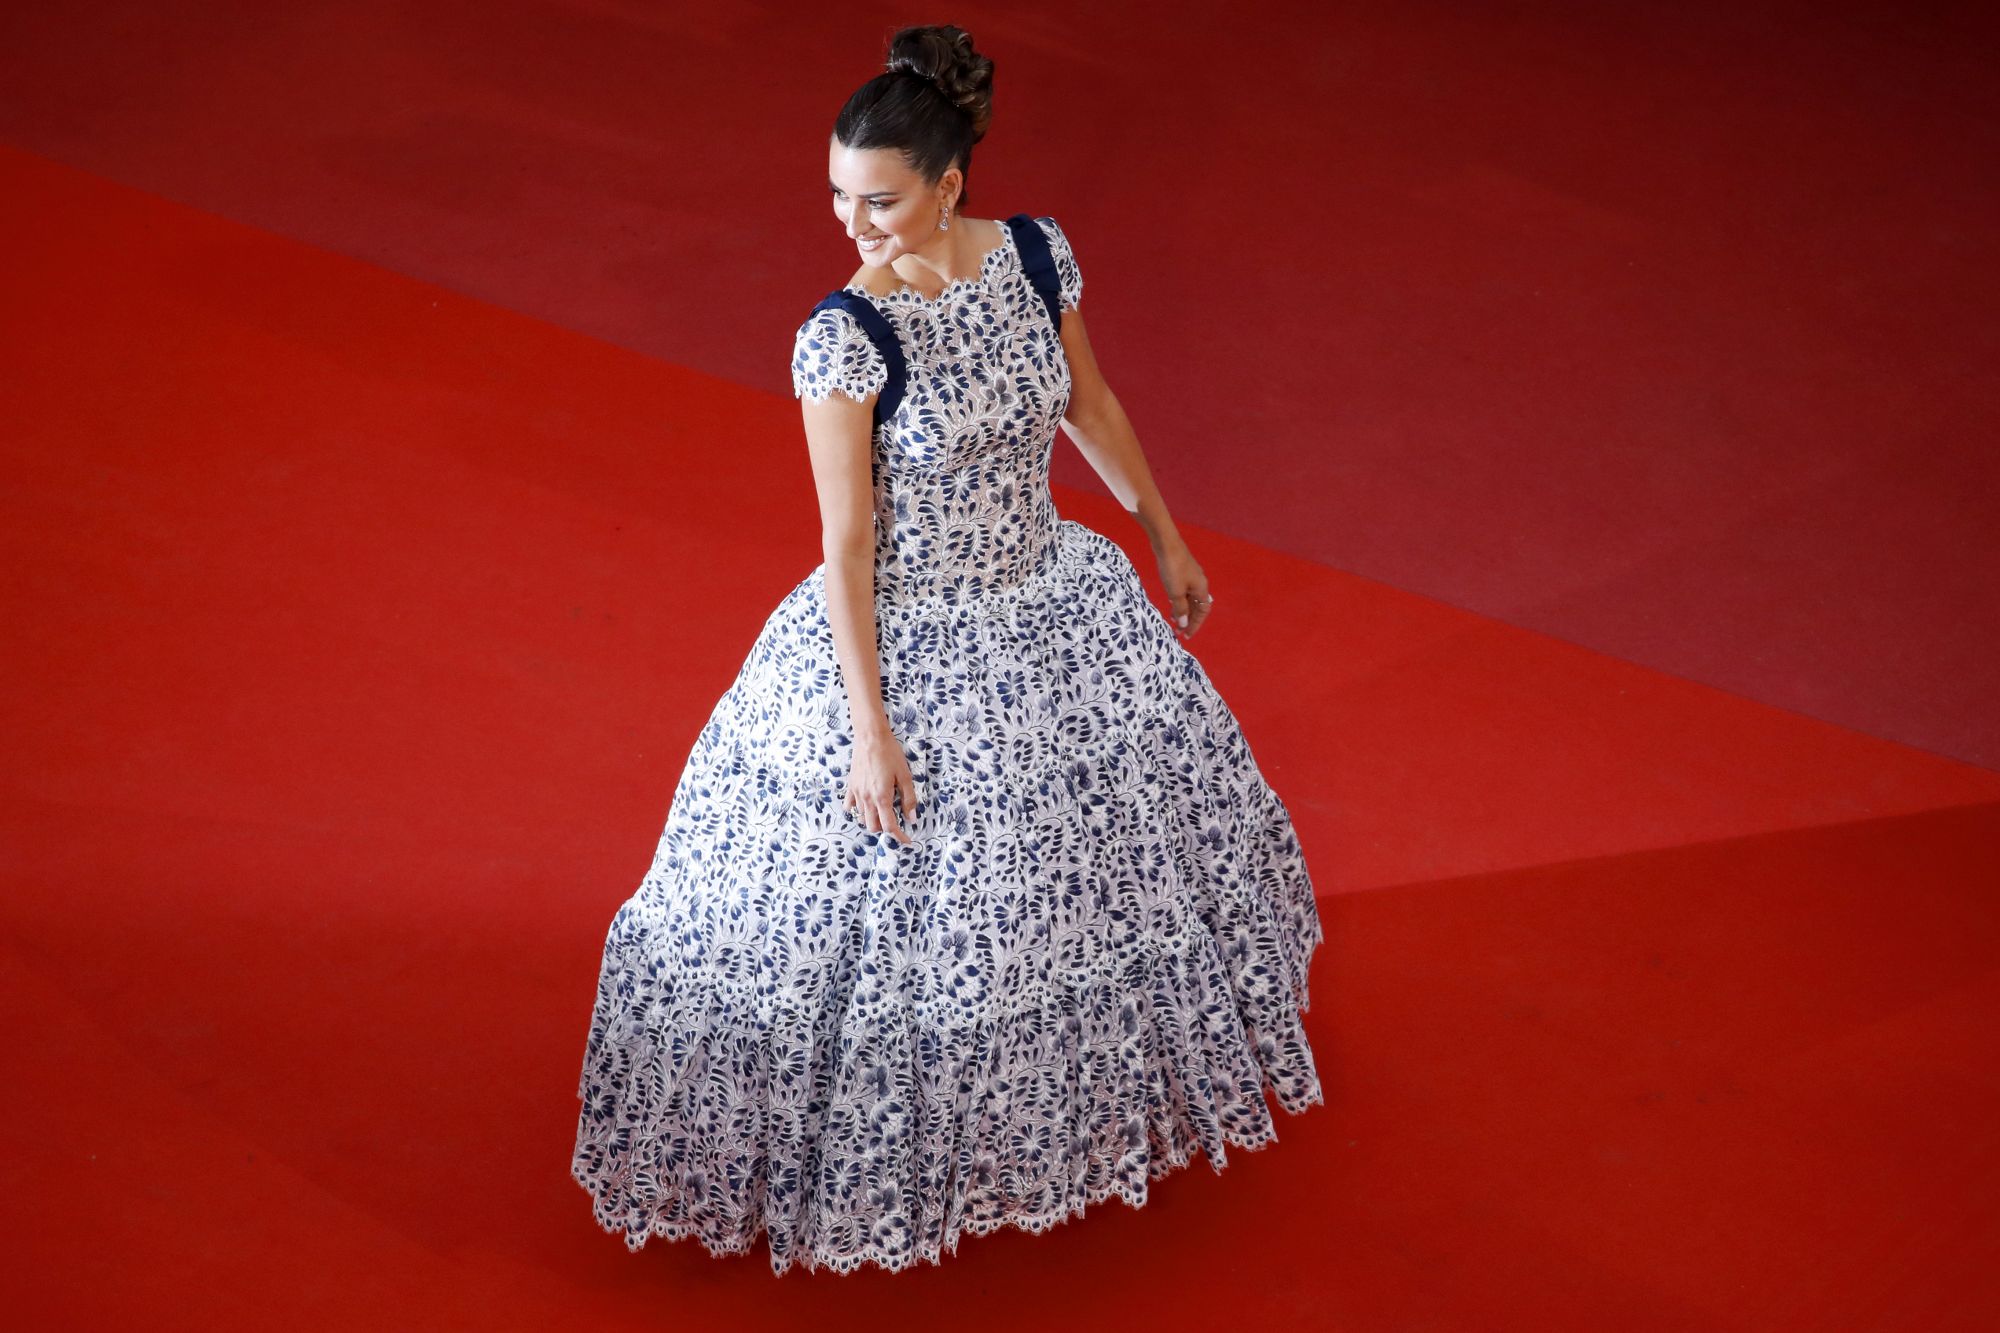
{"points": [[832, 352], [1090, 963]]}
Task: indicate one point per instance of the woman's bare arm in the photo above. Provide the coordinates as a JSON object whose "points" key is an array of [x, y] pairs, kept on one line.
{"points": [[1097, 422], [839, 436]]}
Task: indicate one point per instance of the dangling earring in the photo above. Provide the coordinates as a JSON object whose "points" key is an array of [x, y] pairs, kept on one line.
{"points": [[944, 219]]}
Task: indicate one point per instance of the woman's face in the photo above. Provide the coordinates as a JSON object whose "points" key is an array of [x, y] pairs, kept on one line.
{"points": [[885, 207]]}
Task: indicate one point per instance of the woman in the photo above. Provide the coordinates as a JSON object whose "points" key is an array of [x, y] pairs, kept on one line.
{"points": [[972, 908]]}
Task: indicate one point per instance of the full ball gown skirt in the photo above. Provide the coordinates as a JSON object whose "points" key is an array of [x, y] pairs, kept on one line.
{"points": [[1089, 963]]}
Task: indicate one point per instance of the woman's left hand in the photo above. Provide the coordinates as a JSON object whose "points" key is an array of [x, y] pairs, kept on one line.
{"points": [[1186, 587]]}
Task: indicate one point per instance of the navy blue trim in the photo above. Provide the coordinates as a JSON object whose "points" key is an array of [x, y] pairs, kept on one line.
{"points": [[876, 326], [1038, 263]]}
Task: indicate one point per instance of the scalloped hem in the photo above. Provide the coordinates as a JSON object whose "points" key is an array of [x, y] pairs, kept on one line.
{"points": [[812, 1260]]}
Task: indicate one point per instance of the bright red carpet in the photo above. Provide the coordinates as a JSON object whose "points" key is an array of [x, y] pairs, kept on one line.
{"points": [[1665, 329], [359, 628]]}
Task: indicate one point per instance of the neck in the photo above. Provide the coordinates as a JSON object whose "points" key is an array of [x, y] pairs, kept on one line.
{"points": [[950, 256]]}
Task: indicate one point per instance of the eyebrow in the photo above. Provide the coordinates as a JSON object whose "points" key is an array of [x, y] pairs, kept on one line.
{"points": [[872, 194]]}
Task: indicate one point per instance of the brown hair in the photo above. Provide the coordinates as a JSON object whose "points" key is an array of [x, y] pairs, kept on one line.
{"points": [[931, 103]]}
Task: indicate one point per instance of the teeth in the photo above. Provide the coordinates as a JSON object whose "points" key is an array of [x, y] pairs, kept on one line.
{"points": [[874, 244]]}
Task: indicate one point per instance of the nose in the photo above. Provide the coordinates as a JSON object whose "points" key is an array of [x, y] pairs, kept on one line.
{"points": [[854, 225]]}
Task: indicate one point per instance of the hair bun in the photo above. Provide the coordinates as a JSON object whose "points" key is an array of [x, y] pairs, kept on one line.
{"points": [[943, 54], [930, 104]]}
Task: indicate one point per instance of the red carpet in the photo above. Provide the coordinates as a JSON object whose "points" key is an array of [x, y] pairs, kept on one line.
{"points": [[1665, 329], [359, 628]]}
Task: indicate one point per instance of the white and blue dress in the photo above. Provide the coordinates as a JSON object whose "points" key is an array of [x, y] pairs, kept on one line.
{"points": [[1089, 963]]}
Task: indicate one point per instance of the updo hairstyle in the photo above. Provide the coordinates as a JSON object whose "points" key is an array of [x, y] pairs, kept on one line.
{"points": [[931, 103]]}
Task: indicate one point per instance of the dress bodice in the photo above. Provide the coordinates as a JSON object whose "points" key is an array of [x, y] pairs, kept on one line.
{"points": [[961, 469]]}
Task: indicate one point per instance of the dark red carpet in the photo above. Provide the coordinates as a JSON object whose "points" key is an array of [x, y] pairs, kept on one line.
{"points": [[1584, 417]]}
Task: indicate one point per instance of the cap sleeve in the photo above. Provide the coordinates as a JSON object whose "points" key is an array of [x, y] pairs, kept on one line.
{"points": [[832, 351], [1069, 277]]}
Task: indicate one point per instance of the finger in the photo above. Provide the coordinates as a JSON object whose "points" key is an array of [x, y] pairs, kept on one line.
{"points": [[881, 802], [1203, 604], [907, 784]]}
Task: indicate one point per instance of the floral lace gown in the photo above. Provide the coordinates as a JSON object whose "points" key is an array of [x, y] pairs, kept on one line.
{"points": [[1090, 961]]}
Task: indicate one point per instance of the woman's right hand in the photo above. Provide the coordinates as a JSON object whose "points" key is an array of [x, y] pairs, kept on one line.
{"points": [[881, 770]]}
